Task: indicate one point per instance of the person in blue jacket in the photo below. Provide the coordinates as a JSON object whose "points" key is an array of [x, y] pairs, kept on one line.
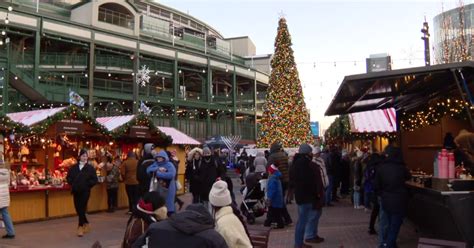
{"points": [[274, 198], [165, 173]]}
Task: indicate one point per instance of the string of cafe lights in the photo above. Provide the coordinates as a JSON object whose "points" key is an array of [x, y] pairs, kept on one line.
{"points": [[166, 112], [4, 39], [433, 113]]}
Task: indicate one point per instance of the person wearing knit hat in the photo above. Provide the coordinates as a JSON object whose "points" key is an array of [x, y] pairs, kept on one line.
{"points": [[307, 192], [305, 149], [81, 177], [206, 151], [150, 209], [220, 195], [274, 198], [279, 158], [227, 223], [206, 175]]}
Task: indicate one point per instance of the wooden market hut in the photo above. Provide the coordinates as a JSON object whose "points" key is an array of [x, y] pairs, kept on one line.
{"points": [[132, 131], [430, 101], [55, 132], [376, 126]]}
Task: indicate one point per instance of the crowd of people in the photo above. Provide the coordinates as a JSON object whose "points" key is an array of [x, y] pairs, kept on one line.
{"points": [[311, 177]]}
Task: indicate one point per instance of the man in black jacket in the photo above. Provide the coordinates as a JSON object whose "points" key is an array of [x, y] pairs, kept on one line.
{"points": [[193, 227], [390, 186], [143, 177], [302, 176]]}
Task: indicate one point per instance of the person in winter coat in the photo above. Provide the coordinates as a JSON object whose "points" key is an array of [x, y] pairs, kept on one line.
{"points": [[165, 173], [81, 177], [357, 175], [345, 172], [280, 158], [335, 172], [319, 167], [322, 166], [193, 165], [464, 152], [5, 201], [175, 160], [260, 162], [390, 185], [149, 210], [142, 176], [227, 224], [112, 177], [373, 163], [128, 170], [193, 227], [207, 175], [303, 177], [274, 198], [243, 164]]}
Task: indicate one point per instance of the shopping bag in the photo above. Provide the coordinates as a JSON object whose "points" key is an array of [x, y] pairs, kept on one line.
{"points": [[155, 185], [178, 185]]}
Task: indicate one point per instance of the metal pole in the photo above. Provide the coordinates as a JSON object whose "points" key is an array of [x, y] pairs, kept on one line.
{"points": [[458, 84], [90, 75], [426, 39]]}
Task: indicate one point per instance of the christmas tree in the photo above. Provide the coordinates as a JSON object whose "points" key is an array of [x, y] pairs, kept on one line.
{"points": [[285, 117]]}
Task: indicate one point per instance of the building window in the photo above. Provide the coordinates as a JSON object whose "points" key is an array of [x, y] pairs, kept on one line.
{"points": [[116, 14]]}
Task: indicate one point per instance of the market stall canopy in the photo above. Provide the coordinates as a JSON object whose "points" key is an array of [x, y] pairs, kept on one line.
{"points": [[135, 127], [179, 138], [404, 89], [29, 118], [375, 121], [8, 125], [69, 120]]}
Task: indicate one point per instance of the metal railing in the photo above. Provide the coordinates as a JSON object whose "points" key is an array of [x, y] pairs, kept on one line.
{"points": [[64, 59], [158, 65], [110, 61], [155, 90], [116, 18], [122, 87]]}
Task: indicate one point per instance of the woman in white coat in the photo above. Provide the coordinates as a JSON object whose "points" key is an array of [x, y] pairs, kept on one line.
{"points": [[5, 201], [227, 224]]}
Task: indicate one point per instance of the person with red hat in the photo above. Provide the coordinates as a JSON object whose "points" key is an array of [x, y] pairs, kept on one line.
{"points": [[274, 198]]}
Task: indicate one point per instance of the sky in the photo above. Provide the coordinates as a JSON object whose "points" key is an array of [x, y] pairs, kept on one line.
{"points": [[331, 39]]}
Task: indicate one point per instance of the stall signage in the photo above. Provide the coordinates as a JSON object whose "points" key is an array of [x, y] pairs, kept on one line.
{"points": [[70, 126], [140, 132]]}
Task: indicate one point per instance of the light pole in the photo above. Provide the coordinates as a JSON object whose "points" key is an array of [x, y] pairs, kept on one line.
{"points": [[5, 66], [426, 39]]}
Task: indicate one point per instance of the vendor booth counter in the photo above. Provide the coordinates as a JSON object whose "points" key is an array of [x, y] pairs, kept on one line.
{"points": [[44, 202], [441, 213]]}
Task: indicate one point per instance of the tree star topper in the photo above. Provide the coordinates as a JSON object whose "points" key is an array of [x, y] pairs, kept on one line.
{"points": [[143, 77]]}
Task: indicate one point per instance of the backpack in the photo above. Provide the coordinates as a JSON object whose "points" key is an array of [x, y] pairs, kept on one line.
{"points": [[135, 228]]}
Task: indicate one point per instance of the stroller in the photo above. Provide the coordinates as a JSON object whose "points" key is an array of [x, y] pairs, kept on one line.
{"points": [[253, 204]]}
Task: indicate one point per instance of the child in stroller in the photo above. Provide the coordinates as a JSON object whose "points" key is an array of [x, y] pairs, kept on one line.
{"points": [[253, 204]]}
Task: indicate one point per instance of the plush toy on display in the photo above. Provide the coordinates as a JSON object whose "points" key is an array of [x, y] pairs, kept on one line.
{"points": [[68, 163]]}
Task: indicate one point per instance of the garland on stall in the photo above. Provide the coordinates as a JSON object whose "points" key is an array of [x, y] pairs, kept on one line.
{"points": [[340, 130], [142, 120], [434, 112], [71, 112], [8, 125]]}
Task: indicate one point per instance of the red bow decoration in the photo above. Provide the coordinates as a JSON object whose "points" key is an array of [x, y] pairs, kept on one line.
{"points": [[145, 206]]}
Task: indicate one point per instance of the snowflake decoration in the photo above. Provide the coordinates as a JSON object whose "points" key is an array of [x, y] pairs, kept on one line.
{"points": [[143, 77]]}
